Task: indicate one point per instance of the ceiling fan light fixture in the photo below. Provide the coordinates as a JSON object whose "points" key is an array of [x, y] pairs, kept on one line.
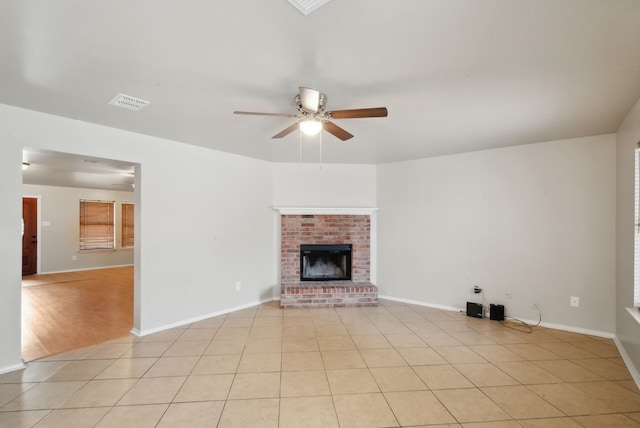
{"points": [[310, 127], [312, 117]]}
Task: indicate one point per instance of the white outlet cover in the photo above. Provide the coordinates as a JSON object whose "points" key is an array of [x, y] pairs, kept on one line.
{"points": [[574, 301]]}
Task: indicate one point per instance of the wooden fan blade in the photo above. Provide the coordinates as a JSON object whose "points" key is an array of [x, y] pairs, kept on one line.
{"points": [[358, 113], [335, 130], [255, 113], [310, 99], [287, 131]]}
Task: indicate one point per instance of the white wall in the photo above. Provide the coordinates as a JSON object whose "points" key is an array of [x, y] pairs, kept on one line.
{"points": [[205, 215], [59, 233], [202, 213], [314, 185], [324, 186], [627, 329], [535, 220], [10, 251]]}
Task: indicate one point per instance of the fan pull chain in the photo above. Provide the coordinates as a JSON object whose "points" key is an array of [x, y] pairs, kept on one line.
{"points": [[300, 155], [320, 136]]}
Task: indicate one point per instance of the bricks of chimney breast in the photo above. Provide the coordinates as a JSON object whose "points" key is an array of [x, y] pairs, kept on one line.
{"points": [[325, 229]]}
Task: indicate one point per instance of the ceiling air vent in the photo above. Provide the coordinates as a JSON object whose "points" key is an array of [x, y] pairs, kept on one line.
{"points": [[307, 6], [130, 103]]}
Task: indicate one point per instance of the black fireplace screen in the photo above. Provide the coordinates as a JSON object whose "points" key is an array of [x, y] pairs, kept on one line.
{"points": [[325, 262]]}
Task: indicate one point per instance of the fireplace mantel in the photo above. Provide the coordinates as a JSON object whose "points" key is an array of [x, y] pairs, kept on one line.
{"points": [[326, 210]]}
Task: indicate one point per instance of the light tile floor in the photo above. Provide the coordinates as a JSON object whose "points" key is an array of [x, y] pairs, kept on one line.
{"points": [[387, 366]]}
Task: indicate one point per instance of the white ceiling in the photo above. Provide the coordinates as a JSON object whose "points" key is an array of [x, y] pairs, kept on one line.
{"points": [[68, 170], [456, 75]]}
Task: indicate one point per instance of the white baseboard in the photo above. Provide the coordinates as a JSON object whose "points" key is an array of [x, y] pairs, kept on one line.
{"points": [[419, 303], [597, 333], [141, 333], [628, 361], [15, 367], [572, 329], [83, 269]]}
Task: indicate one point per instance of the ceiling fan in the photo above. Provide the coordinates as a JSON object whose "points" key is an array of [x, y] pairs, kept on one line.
{"points": [[312, 117]]}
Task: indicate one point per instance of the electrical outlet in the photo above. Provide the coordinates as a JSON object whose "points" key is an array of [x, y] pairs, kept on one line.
{"points": [[507, 294], [74, 258], [574, 301], [238, 286]]}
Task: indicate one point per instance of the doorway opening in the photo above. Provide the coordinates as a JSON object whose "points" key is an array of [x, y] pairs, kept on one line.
{"points": [[75, 298], [29, 236]]}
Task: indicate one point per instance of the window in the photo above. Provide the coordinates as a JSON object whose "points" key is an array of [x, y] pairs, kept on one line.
{"points": [[636, 252], [97, 225], [127, 225]]}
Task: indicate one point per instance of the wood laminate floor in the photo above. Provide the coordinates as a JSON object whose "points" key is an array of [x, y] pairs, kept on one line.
{"points": [[66, 311]]}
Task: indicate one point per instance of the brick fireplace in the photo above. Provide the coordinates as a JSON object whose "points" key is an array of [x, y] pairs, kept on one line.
{"points": [[306, 227]]}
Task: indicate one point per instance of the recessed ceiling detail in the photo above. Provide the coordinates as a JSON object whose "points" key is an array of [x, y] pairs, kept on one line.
{"points": [[128, 102], [307, 6]]}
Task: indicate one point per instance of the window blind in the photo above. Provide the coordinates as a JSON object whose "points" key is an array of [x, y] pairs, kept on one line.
{"points": [[97, 225], [127, 225], [636, 252]]}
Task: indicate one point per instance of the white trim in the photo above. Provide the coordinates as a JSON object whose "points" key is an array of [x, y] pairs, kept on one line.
{"points": [[635, 314], [141, 333], [326, 210], [373, 247], [597, 333], [554, 326], [277, 255], [636, 232], [88, 268], [419, 303], [13, 368], [627, 361]]}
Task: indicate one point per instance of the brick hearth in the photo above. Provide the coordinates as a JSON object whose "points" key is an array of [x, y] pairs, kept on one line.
{"points": [[328, 294], [297, 229]]}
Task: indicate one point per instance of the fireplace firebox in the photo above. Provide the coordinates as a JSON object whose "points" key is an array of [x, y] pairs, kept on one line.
{"points": [[325, 262]]}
